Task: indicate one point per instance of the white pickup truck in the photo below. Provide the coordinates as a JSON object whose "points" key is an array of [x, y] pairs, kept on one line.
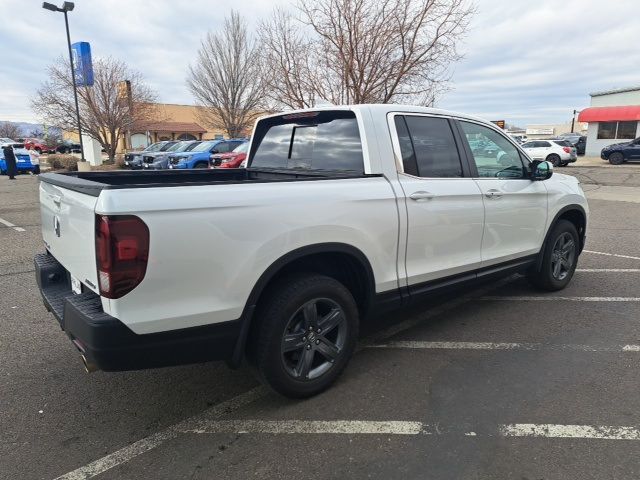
{"points": [[341, 211]]}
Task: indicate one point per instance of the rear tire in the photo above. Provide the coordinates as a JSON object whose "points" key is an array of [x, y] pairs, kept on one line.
{"points": [[554, 159], [559, 258], [306, 335], [616, 158], [201, 165]]}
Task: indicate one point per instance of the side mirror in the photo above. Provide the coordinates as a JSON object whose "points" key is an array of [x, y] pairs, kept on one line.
{"points": [[541, 170]]}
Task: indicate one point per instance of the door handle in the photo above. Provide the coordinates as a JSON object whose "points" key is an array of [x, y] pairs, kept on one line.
{"points": [[493, 193], [417, 196]]}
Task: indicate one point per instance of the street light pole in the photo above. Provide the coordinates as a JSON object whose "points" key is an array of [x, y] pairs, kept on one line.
{"points": [[573, 120], [67, 7]]}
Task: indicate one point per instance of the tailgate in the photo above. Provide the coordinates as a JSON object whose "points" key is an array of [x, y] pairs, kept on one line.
{"points": [[68, 230]]}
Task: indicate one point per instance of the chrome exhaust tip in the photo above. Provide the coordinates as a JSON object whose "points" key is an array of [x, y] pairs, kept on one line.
{"points": [[88, 366]]}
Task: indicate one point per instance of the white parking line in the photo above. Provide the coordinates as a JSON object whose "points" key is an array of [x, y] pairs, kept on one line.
{"points": [[11, 225], [609, 270], [141, 446], [410, 344], [553, 298], [600, 432], [363, 427], [611, 254], [349, 427]]}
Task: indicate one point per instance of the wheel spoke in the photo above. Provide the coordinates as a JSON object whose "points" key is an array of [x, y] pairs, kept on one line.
{"points": [[292, 341], [330, 320], [304, 363], [557, 268], [310, 313], [328, 349], [568, 247]]}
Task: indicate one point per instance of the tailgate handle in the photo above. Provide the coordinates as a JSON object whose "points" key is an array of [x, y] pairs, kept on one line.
{"points": [[57, 199]]}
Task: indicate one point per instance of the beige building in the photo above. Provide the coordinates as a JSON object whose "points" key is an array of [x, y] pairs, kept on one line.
{"points": [[178, 122], [548, 130], [175, 122]]}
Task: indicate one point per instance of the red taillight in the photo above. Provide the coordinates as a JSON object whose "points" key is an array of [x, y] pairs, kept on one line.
{"points": [[122, 251], [566, 149]]}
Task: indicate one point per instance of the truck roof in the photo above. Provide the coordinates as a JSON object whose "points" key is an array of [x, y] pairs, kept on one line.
{"points": [[382, 109]]}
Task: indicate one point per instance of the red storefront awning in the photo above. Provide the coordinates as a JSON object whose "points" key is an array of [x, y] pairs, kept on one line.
{"points": [[610, 114]]}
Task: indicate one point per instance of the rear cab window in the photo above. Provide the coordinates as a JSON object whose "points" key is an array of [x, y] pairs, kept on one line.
{"points": [[311, 141]]}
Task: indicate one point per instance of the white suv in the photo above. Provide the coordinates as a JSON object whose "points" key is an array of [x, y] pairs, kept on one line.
{"points": [[559, 152]]}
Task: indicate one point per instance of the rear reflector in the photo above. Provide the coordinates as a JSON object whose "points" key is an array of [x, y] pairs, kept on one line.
{"points": [[122, 252]]}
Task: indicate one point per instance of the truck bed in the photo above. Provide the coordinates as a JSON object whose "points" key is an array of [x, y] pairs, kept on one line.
{"points": [[92, 183]]}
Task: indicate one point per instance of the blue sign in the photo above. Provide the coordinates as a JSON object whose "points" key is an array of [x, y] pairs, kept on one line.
{"points": [[82, 66]]}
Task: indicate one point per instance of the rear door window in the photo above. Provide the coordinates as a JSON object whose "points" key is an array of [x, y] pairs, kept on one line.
{"points": [[428, 142], [327, 140]]}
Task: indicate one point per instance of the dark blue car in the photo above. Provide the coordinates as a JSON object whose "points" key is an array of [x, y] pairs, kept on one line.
{"points": [[622, 152]]}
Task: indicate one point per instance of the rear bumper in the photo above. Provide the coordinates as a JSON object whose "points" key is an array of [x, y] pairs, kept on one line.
{"points": [[110, 345]]}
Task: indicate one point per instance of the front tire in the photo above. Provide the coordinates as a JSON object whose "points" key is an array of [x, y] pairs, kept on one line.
{"points": [[559, 258], [306, 336], [616, 158]]}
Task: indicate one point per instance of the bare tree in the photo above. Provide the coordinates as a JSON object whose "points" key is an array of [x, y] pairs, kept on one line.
{"points": [[106, 111], [289, 68], [9, 130], [368, 51], [227, 79]]}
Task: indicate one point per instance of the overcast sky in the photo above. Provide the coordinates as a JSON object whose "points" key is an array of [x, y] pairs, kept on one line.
{"points": [[526, 61]]}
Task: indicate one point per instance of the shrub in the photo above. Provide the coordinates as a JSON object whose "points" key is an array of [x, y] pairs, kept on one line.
{"points": [[63, 162]]}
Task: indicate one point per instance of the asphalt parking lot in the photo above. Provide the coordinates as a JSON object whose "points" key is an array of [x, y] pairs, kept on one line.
{"points": [[494, 383]]}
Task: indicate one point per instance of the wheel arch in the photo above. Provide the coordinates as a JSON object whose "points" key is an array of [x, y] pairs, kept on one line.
{"points": [[577, 215], [341, 261]]}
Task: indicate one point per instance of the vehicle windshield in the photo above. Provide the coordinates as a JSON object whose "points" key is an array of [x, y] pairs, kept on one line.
{"points": [[154, 147], [204, 146], [178, 147], [242, 148]]}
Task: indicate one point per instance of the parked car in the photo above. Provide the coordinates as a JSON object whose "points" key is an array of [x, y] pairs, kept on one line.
{"points": [[67, 147], [160, 160], [4, 141], [199, 157], [573, 137], [619, 153], [133, 160], [559, 152], [23, 161], [38, 145], [231, 159], [581, 145], [342, 211]]}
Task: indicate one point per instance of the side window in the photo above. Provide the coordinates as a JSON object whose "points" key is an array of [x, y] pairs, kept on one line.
{"points": [[406, 147], [498, 157], [222, 147], [544, 144], [434, 148]]}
